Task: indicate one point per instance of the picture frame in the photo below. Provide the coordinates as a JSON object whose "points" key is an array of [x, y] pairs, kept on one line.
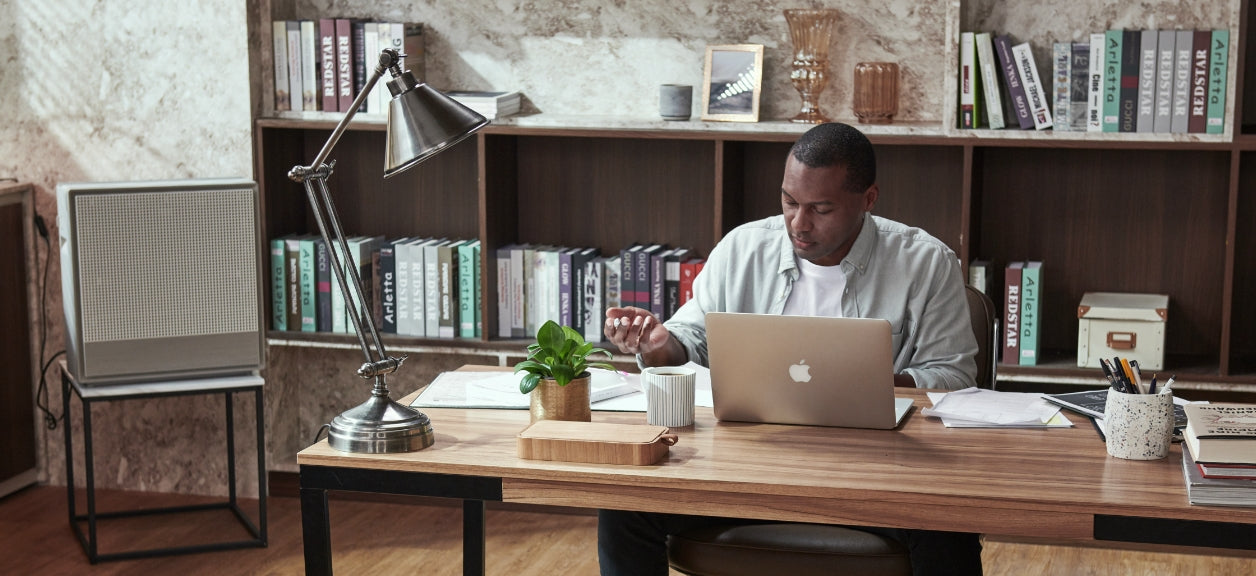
{"points": [[732, 81]]}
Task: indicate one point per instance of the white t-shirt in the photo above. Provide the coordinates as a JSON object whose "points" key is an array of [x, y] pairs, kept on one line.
{"points": [[817, 291]]}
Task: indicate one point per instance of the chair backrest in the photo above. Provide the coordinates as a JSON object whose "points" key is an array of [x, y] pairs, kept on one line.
{"points": [[983, 315]]}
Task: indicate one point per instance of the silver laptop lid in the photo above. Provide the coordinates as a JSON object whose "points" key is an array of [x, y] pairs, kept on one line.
{"points": [[802, 370]]}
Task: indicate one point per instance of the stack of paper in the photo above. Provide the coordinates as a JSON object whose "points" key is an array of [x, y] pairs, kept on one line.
{"points": [[978, 408], [489, 104]]}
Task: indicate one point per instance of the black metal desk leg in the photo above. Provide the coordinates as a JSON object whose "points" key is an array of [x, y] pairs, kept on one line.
{"points": [[231, 472], [316, 532], [90, 464], [69, 444], [473, 537]]}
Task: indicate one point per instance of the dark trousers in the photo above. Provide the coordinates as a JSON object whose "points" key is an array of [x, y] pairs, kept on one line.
{"points": [[635, 544]]}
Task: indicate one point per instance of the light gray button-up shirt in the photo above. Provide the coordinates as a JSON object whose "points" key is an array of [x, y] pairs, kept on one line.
{"points": [[893, 271]]}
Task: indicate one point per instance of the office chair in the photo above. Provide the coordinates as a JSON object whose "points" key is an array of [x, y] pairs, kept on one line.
{"points": [[806, 549]]}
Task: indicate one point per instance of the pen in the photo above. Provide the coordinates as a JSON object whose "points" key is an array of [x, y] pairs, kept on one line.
{"points": [[1138, 376], [1151, 388], [1129, 374], [1168, 385]]}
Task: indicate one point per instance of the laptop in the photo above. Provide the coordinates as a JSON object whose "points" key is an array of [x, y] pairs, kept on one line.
{"points": [[806, 370]]}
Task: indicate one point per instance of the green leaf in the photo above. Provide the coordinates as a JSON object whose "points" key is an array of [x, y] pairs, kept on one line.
{"points": [[531, 367], [572, 335], [563, 374], [550, 336], [529, 383], [602, 365]]}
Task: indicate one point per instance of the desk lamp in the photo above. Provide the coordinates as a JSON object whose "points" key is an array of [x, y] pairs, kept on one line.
{"points": [[421, 123]]}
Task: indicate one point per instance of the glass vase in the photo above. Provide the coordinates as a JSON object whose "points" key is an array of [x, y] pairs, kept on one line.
{"points": [[875, 99], [810, 32]]}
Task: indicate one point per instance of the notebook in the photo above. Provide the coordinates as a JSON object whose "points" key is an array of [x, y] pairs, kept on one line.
{"points": [[803, 370]]}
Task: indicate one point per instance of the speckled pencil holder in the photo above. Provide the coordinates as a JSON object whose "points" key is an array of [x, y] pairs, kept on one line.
{"points": [[1138, 426]]}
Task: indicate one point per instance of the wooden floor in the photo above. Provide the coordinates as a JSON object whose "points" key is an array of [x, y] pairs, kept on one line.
{"points": [[372, 537]]}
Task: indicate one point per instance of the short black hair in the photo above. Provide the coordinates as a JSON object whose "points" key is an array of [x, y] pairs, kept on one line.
{"points": [[837, 144]]}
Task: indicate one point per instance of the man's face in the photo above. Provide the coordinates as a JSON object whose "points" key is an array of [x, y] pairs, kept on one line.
{"points": [[822, 217]]}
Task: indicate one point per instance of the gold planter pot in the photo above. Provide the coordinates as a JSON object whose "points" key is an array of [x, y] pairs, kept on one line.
{"points": [[553, 402]]}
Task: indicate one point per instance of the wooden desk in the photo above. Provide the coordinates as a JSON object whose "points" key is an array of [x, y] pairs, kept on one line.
{"points": [[1057, 483]]}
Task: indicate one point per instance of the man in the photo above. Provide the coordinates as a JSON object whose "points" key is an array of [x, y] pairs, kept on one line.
{"points": [[825, 256]]}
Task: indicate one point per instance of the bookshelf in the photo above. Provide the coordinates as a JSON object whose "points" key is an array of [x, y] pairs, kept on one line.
{"points": [[1105, 212], [18, 456]]}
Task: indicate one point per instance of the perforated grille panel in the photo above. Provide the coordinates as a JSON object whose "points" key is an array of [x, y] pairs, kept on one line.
{"points": [[166, 264]]}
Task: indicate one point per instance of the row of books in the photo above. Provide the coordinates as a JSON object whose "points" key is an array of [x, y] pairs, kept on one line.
{"points": [[323, 65], [424, 287], [1022, 304], [1164, 81], [1219, 454], [489, 104], [575, 286]]}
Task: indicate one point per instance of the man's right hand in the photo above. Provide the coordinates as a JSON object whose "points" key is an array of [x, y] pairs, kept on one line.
{"points": [[634, 330]]}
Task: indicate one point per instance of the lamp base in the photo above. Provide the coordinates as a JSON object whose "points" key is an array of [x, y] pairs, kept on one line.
{"points": [[380, 426]]}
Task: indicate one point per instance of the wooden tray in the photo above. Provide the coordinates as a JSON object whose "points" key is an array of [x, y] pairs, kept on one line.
{"points": [[595, 442]]}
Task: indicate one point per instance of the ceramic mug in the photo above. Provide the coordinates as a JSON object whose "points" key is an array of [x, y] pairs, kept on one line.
{"points": [[1138, 426], [669, 394], [675, 101]]}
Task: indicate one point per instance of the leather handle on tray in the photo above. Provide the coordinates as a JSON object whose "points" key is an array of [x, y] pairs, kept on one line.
{"points": [[669, 439]]}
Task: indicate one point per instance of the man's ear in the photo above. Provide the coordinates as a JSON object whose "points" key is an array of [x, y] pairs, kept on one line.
{"points": [[870, 197]]}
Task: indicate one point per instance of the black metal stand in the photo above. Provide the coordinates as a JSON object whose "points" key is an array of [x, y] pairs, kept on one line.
{"points": [[225, 386]]}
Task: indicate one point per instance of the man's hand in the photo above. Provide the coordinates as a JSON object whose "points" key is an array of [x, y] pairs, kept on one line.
{"points": [[634, 330]]}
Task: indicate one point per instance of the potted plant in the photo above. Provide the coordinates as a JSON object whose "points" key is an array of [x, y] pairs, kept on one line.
{"points": [[557, 373]]}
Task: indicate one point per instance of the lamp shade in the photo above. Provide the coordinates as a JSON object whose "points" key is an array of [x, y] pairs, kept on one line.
{"points": [[421, 122]]}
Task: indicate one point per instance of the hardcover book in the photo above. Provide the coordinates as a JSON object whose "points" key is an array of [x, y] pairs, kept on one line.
{"points": [[309, 310], [1215, 491], [504, 284], [1079, 82], [278, 285], [565, 282], [1113, 40], [1011, 312], [357, 51], [1035, 94], [279, 45], [592, 295], [658, 279], [295, 89], [1031, 303], [1127, 114], [1221, 433], [322, 286], [1197, 120], [981, 275], [1164, 80], [344, 64], [370, 56], [688, 272], [518, 283], [1015, 90], [388, 287], [1062, 84], [401, 266], [468, 286], [1094, 88], [292, 260], [671, 281], [1236, 471], [990, 80], [967, 81], [431, 288], [627, 276], [309, 67], [580, 259], [613, 296], [1217, 80], [1183, 46], [327, 65], [644, 279], [1147, 81], [447, 266]]}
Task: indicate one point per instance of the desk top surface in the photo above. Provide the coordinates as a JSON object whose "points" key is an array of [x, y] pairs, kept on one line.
{"points": [[1030, 482]]}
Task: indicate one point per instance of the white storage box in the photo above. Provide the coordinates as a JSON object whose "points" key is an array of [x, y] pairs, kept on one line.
{"points": [[1111, 324]]}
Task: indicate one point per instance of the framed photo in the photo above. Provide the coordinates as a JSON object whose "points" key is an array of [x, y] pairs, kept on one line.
{"points": [[732, 79]]}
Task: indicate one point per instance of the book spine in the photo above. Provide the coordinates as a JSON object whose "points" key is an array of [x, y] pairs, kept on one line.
{"points": [[1079, 82], [579, 270], [295, 89], [1113, 40], [278, 285], [627, 278], [322, 285], [612, 270], [292, 258], [1031, 300], [308, 289], [1197, 122], [279, 45], [1061, 83], [1164, 81], [344, 64], [641, 276], [532, 308], [376, 293], [990, 80], [1039, 109], [1127, 120], [448, 271], [518, 310], [1183, 48], [431, 290], [370, 55], [418, 289], [327, 64], [1011, 314], [550, 283], [658, 277], [1147, 81], [380, 94], [388, 288], [688, 270], [671, 284], [339, 322], [477, 290], [466, 290], [592, 295], [309, 67], [362, 259], [1094, 89], [1015, 90], [564, 287], [967, 81], [401, 266], [503, 292], [1218, 63], [357, 51]]}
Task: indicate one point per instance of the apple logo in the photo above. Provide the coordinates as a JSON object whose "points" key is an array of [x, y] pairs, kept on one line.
{"points": [[800, 372]]}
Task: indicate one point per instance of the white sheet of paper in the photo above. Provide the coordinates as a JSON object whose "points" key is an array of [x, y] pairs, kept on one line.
{"points": [[992, 407]]}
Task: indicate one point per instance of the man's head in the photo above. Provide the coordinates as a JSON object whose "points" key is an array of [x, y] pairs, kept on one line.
{"points": [[830, 181]]}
